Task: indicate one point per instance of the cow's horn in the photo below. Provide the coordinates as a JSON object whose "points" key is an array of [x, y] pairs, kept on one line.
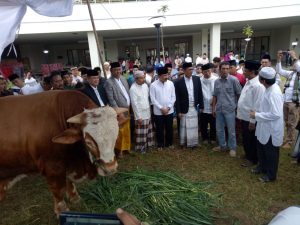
{"points": [[120, 110], [76, 119]]}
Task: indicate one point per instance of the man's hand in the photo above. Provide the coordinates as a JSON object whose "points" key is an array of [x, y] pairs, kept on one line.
{"points": [[180, 115], [126, 218], [279, 55], [28, 75], [252, 114], [139, 122], [251, 126], [164, 111], [214, 113], [293, 54]]}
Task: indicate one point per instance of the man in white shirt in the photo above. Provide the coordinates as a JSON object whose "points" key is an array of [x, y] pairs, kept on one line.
{"points": [[188, 59], [198, 59], [177, 62], [199, 70], [250, 99], [162, 94], [25, 89], [75, 76], [270, 127], [241, 67], [291, 97], [29, 79], [149, 75], [139, 95], [266, 62], [204, 59], [206, 117]]}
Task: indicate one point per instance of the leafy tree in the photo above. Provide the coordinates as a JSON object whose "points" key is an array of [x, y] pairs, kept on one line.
{"points": [[248, 32]]}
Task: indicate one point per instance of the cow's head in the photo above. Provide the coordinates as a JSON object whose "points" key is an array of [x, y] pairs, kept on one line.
{"points": [[99, 131]]}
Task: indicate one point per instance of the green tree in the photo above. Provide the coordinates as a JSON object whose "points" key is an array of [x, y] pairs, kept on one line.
{"points": [[248, 32]]}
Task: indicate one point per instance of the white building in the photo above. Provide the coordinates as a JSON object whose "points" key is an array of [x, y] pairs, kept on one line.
{"points": [[191, 26]]}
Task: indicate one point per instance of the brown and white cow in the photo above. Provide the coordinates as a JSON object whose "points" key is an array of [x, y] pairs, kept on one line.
{"points": [[62, 135]]}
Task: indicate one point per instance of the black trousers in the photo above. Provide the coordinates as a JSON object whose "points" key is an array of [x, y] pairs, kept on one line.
{"points": [[268, 159], [205, 119], [164, 130], [249, 142]]}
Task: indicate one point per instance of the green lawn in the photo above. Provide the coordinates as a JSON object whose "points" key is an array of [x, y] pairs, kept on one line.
{"points": [[245, 200]]}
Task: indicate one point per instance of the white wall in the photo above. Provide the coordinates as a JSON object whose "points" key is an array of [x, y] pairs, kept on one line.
{"points": [[111, 49], [136, 15]]}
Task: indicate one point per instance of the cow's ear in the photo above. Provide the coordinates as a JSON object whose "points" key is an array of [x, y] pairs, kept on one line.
{"points": [[76, 119], [69, 136]]}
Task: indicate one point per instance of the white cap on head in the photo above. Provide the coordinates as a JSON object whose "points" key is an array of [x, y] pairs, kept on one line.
{"points": [[138, 74], [297, 65], [187, 54], [267, 73], [106, 63]]}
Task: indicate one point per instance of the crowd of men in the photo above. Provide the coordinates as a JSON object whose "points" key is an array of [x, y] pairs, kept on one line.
{"points": [[220, 99]]}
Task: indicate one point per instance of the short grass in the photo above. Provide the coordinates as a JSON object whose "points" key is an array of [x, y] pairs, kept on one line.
{"points": [[245, 200]]}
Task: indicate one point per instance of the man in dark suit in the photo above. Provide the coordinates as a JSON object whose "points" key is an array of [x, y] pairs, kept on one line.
{"points": [[189, 100], [95, 89]]}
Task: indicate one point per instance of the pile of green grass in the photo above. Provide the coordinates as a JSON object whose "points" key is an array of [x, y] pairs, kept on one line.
{"points": [[155, 197]]}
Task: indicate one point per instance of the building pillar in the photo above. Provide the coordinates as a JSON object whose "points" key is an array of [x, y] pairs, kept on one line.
{"points": [[215, 40], [204, 34], [95, 59], [196, 46]]}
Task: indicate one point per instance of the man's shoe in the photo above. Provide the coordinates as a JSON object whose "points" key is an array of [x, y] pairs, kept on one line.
{"points": [[247, 163], [232, 153], [265, 179], [206, 142], [171, 147], [256, 170], [218, 149]]}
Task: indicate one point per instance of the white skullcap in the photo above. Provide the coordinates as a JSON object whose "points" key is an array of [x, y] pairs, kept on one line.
{"points": [[297, 65], [138, 74], [74, 68], [106, 64], [267, 73]]}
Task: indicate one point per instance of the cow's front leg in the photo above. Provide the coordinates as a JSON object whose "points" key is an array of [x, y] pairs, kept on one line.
{"points": [[72, 193], [57, 185], [3, 188]]}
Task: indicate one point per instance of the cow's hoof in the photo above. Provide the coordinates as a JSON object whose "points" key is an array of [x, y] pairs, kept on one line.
{"points": [[61, 207], [75, 199]]}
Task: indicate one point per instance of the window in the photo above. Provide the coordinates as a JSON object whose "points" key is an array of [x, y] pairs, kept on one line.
{"points": [[257, 46], [79, 57], [181, 48]]}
